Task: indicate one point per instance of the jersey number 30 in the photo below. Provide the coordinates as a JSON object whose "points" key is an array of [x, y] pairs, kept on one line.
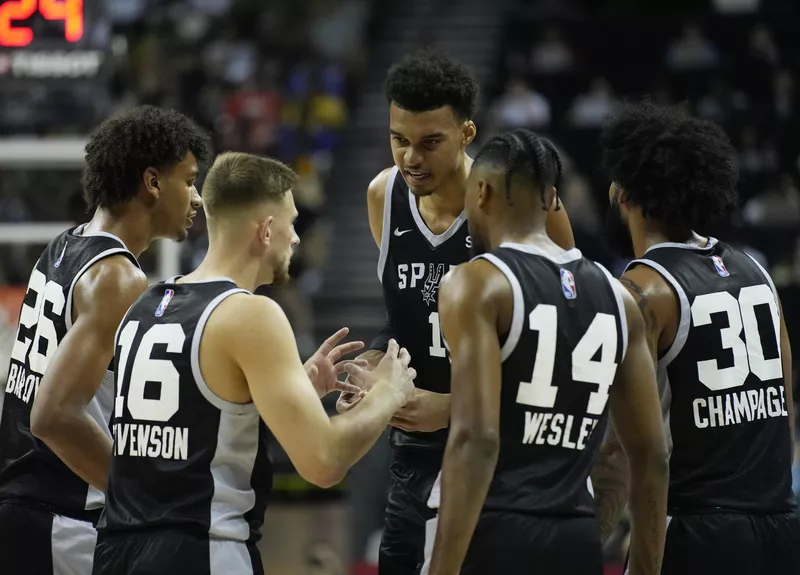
{"points": [[145, 369], [601, 335], [741, 315]]}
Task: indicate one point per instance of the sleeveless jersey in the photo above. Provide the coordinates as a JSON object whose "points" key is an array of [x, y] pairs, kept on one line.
{"points": [[413, 260], [568, 334], [723, 374], [183, 457], [30, 473]]}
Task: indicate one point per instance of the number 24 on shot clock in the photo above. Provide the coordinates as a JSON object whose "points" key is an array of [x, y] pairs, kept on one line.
{"points": [[15, 17]]}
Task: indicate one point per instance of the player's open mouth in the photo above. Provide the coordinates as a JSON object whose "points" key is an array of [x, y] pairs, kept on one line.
{"points": [[417, 178]]}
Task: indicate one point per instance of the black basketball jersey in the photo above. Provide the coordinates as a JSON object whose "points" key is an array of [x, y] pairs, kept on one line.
{"points": [[727, 414], [30, 472], [567, 337], [413, 260], [183, 457]]}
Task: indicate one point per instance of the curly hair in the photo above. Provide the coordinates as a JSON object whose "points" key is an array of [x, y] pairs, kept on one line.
{"points": [[427, 80], [680, 170], [523, 153], [122, 147]]}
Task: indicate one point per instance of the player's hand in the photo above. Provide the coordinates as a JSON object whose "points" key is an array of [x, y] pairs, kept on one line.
{"points": [[428, 411], [393, 370], [323, 368]]}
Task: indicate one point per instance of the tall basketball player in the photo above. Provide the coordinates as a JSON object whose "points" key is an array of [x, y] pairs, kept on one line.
{"points": [[55, 445], [715, 327], [416, 214], [200, 362], [542, 341]]}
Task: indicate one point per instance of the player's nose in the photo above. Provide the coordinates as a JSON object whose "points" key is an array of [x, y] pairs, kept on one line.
{"points": [[197, 201], [412, 158]]}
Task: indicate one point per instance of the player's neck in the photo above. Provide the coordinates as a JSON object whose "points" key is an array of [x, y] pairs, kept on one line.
{"points": [[449, 197], [644, 237], [132, 228], [220, 262]]}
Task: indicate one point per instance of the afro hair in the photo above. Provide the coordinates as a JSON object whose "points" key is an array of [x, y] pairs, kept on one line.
{"points": [[680, 170], [427, 80], [122, 147]]}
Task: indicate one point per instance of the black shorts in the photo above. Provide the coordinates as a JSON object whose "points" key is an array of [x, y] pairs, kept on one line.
{"points": [[517, 544], [172, 552], [412, 474], [35, 542], [733, 544]]}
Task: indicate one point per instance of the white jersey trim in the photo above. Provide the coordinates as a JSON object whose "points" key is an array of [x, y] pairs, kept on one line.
{"points": [[686, 316], [83, 270], [518, 316], [386, 231], [615, 287], [215, 400]]}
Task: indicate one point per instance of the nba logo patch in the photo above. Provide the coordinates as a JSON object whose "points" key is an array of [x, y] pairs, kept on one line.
{"points": [[568, 284], [720, 266], [164, 302]]}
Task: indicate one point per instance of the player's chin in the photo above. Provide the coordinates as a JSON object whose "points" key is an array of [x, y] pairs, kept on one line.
{"points": [[421, 191], [180, 235]]}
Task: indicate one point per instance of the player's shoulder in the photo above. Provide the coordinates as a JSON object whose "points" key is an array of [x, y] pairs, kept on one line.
{"points": [[646, 282], [246, 314], [113, 277], [478, 281], [376, 191]]}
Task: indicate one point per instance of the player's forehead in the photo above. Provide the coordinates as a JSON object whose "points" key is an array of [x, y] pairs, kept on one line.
{"points": [[287, 203], [419, 125]]}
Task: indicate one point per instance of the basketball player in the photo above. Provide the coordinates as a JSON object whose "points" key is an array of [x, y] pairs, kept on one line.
{"points": [[715, 327], [139, 177], [540, 338], [200, 361], [416, 214]]}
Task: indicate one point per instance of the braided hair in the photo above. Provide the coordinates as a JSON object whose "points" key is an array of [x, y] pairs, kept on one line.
{"points": [[522, 153]]}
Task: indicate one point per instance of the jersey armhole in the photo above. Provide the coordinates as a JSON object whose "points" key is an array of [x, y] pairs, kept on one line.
{"points": [[518, 312], [215, 400], [623, 317], [685, 311], [386, 231], [84, 269], [769, 280]]}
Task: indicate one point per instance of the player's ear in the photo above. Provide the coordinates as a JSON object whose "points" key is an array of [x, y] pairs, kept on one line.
{"points": [[551, 199], [485, 192], [265, 232], [151, 183], [469, 132]]}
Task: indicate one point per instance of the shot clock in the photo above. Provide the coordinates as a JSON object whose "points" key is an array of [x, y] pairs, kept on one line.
{"points": [[52, 40]]}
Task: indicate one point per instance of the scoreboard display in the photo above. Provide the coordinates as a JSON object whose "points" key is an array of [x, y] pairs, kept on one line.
{"points": [[52, 40]]}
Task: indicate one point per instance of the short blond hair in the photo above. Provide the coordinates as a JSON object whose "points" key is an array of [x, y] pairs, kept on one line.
{"points": [[238, 180]]}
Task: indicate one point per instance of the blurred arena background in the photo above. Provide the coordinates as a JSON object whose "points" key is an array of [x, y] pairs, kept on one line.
{"points": [[301, 81]]}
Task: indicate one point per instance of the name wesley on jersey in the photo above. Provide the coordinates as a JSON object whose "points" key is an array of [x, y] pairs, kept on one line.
{"points": [[147, 440], [22, 384], [558, 429], [739, 407]]}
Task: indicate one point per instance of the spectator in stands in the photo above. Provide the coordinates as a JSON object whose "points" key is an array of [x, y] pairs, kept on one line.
{"points": [[721, 102], [590, 109], [552, 55], [520, 107], [692, 50]]}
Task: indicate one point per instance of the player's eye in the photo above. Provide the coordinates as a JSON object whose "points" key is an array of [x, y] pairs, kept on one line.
{"points": [[400, 140]]}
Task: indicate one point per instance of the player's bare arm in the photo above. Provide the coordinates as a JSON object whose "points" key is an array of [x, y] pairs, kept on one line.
{"points": [[376, 194], [786, 360], [636, 415], [475, 302], [559, 228], [101, 298], [659, 309], [248, 352]]}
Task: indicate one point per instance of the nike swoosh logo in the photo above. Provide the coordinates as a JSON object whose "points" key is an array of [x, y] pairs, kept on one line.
{"points": [[399, 233]]}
